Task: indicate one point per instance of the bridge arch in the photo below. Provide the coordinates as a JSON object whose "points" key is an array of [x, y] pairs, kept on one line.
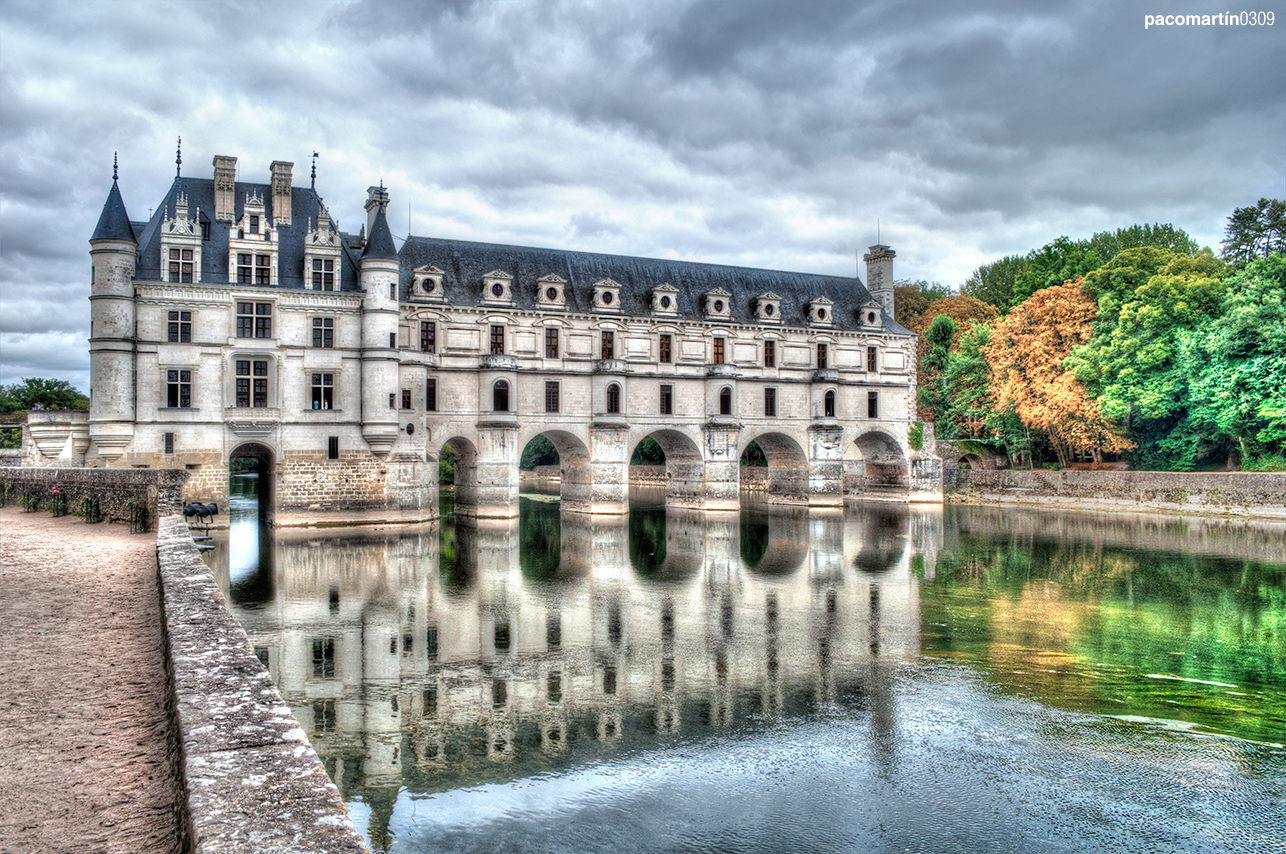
{"points": [[265, 468], [787, 466], [575, 468], [883, 468], [685, 467], [466, 473]]}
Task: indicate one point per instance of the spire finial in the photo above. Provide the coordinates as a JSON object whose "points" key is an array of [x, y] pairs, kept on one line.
{"points": [[315, 156], [178, 159], [114, 163], [877, 231]]}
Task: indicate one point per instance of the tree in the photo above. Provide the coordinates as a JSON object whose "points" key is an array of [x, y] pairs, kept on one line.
{"points": [[1236, 367], [1147, 298], [1255, 232], [935, 346], [539, 452], [1109, 244], [1053, 264], [910, 299], [1026, 356], [648, 453], [994, 283], [36, 391]]}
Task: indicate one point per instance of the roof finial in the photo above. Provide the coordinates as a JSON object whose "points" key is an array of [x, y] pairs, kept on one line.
{"points": [[178, 159], [114, 161], [877, 231], [315, 156]]}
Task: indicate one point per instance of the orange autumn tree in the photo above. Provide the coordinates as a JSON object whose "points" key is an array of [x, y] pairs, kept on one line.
{"points": [[1026, 355]]}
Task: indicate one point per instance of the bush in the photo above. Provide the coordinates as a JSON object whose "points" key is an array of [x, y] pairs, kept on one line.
{"points": [[915, 435]]}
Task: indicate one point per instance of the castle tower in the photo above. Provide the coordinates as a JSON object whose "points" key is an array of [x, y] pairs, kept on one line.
{"points": [[379, 274], [113, 253], [879, 275]]}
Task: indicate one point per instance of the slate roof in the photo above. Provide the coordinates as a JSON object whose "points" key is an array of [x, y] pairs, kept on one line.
{"points": [[304, 203], [380, 243], [466, 262], [113, 222]]}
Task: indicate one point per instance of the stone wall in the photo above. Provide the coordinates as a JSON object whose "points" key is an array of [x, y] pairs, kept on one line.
{"points": [[252, 781], [160, 490], [1230, 493]]}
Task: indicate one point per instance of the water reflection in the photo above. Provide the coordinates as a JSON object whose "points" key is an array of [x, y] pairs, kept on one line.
{"points": [[574, 657]]}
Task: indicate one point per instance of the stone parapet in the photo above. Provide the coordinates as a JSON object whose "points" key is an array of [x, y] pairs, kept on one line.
{"points": [[1261, 494], [160, 490], [252, 781]]}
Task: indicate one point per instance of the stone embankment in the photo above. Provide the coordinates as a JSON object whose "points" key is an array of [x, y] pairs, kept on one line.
{"points": [[1249, 494], [251, 779], [119, 495]]}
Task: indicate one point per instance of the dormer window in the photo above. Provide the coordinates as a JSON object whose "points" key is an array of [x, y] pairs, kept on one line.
{"points": [[606, 295], [550, 291], [718, 304], [819, 312], [665, 300], [869, 315], [254, 225], [181, 244], [497, 287], [768, 308], [428, 284], [252, 239]]}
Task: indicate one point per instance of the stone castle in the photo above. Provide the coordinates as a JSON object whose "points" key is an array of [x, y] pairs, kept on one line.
{"points": [[239, 321]]}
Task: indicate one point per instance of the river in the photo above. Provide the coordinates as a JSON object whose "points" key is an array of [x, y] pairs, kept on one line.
{"points": [[885, 678]]}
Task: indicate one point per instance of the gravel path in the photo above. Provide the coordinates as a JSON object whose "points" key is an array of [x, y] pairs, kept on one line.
{"points": [[84, 732]]}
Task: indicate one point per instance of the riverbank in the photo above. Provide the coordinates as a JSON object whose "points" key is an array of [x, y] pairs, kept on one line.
{"points": [[1244, 494], [89, 751]]}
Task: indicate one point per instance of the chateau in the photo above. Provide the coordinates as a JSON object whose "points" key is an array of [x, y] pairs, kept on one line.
{"points": [[239, 321]]}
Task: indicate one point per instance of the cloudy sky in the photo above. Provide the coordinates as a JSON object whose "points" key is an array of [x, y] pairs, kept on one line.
{"points": [[767, 134]]}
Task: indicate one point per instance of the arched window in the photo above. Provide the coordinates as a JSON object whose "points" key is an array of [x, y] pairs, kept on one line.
{"points": [[500, 396], [725, 401], [613, 399], [828, 404]]}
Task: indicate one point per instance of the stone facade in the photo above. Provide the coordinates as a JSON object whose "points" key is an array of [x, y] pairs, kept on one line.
{"points": [[240, 321]]}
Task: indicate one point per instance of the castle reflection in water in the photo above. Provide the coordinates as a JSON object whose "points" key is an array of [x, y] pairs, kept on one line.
{"points": [[454, 656]]}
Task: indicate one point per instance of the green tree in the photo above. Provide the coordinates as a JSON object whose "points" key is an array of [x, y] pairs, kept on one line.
{"points": [[1256, 231], [971, 412], [994, 283], [539, 452], [1236, 367], [936, 344], [1052, 265], [648, 453], [910, 299], [37, 391], [1109, 244]]}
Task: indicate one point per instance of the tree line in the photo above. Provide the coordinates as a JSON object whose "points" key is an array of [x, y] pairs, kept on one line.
{"points": [[1135, 344]]}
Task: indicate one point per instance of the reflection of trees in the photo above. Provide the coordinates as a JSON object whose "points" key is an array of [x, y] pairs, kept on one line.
{"points": [[539, 538], [647, 540], [1091, 626]]}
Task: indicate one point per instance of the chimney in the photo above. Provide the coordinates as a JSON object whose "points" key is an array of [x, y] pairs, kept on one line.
{"points": [[376, 199], [281, 192], [225, 187], [879, 275]]}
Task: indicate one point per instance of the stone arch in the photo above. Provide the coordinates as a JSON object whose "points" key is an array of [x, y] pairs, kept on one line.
{"points": [[575, 469], [265, 469], [466, 474], [787, 467], [684, 465], [884, 467]]}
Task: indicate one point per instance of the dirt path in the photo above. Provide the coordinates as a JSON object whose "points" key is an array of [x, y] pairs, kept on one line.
{"points": [[83, 724]]}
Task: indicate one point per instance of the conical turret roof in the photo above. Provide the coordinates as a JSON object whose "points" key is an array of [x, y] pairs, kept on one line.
{"points": [[113, 222], [380, 243]]}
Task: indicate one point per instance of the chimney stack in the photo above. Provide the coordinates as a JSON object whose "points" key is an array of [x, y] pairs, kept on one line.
{"points": [[281, 192], [225, 187]]}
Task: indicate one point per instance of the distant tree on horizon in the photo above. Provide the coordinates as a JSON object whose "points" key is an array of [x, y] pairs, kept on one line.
{"points": [[38, 391]]}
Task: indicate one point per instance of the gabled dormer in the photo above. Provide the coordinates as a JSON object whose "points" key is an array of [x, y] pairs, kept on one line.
{"points": [[322, 253], [820, 312], [606, 296], [868, 315], [427, 284], [665, 300], [551, 291], [181, 244], [768, 308], [718, 304], [252, 245], [497, 288]]}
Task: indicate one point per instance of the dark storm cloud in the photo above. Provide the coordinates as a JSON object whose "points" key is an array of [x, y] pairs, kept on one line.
{"points": [[763, 133]]}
